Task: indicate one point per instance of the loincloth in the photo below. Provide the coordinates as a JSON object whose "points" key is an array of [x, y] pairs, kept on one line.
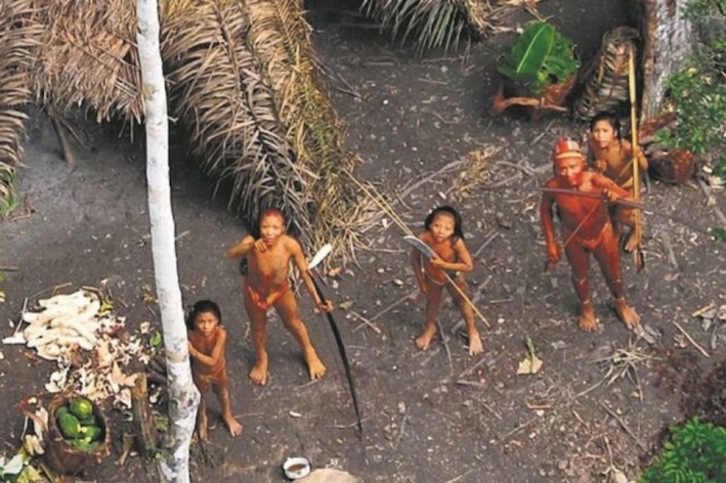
{"points": [[262, 303], [590, 243]]}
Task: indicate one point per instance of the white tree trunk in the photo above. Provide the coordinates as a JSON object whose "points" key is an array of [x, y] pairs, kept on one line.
{"points": [[183, 395], [668, 40]]}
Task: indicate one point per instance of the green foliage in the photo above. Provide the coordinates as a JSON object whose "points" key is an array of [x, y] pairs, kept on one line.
{"points": [[8, 199], [541, 56], [718, 233], [698, 92], [696, 452]]}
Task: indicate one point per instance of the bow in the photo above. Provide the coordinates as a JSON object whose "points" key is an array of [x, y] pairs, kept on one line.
{"points": [[638, 229], [322, 253]]}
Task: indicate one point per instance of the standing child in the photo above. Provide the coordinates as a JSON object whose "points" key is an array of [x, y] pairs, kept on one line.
{"points": [[266, 285], [612, 156], [207, 343], [445, 236]]}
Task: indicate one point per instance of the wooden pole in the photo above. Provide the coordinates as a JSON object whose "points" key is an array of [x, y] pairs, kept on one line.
{"points": [[638, 228]]}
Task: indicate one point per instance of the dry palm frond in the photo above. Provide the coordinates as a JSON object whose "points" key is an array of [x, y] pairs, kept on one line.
{"points": [[280, 38], [435, 23], [476, 172], [18, 40], [606, 80], [89, 57], [218, 89]]}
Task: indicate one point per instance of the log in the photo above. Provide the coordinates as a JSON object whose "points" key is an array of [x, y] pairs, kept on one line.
{"points": [[147, 440]]}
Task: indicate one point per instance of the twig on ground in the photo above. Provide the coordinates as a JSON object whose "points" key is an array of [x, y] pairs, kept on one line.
{"points": [[8, 269], [400, 430], [666, 239], [489, 239], [517, 429], [445, 340], [461, 476], [464, 382], [491, 411], [448, 167], [365, 322], [393, 305], [625, 427], [690, 339], [472, 368], [703, 310]]}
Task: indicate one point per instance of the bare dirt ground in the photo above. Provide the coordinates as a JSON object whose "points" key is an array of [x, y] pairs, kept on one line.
{"points": [[435, 416]]}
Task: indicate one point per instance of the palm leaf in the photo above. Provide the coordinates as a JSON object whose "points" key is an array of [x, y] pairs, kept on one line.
{"points": [[18, 42], [436, 23], [525, 59], [88, 58], [217, 89]]}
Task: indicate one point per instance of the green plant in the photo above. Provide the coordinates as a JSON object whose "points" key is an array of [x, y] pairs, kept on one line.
{"points": [[695, 452], [698, 92], [540, 57]]}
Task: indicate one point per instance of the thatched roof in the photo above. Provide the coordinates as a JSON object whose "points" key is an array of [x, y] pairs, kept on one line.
{"points": [[243, 81], [89, 58], [18, 39]]}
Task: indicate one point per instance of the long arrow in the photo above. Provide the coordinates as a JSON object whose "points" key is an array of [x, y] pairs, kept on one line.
{"points": [[322, 253], [628, 203]]}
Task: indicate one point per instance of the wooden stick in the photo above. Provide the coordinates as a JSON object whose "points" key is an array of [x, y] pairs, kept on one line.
{"points": [[625, 427], [365, 321], [638, 228], [690, 339], [394, 304]]}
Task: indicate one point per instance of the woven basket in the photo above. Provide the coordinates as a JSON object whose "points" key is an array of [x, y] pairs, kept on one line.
{"points": [[64, 458], [550, 99]]}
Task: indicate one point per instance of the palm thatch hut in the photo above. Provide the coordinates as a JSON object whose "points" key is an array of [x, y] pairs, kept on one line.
{"points": [[243, 81]]}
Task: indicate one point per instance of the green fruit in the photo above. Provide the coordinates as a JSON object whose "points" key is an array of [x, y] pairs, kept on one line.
{"points": [[89, 421], [69, 425], [91, 433], [84, 445], [61, 411], [81, 407]]}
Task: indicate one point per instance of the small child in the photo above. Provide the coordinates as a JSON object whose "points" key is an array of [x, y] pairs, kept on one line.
{"points": [[445, 236], [612, 156], [266, 284], [207, 343]]}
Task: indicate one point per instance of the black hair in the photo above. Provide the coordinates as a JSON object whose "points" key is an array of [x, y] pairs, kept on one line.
{"points": [[609, 117], [458, 229], [201, 307]]}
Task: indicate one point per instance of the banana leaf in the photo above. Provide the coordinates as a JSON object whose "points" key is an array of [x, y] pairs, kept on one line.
{"points": [[524, 62], [540, 57]]}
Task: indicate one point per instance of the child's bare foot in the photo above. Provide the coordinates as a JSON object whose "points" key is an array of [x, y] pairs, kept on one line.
{"points": [[475, 345], [424, 340], [234, 427], [258, 373], [629, 317], [588, 322], [316, 368]]}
